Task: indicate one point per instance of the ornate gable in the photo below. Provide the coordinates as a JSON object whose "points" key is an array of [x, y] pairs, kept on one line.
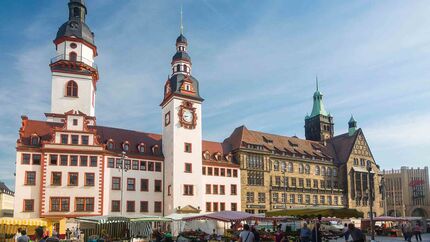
{"points": [[361, 148]]}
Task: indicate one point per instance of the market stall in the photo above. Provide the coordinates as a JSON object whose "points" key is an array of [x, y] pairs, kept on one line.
{"points": [[387, 225], [115, 227], [9, 226]]}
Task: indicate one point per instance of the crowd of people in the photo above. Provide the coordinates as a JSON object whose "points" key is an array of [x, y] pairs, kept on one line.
{"points": [[41, 235], [409, 231]]}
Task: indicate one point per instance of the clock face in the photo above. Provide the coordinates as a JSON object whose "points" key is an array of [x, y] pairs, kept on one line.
{"points": [[187, 115]]}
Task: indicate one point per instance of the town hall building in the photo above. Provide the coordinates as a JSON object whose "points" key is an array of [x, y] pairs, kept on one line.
{"points": [[67, 166]]}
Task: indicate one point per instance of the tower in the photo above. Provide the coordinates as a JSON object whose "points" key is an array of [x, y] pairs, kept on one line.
{"points": [[352, 126], [74, 73], [182, 133], [319, 125]]}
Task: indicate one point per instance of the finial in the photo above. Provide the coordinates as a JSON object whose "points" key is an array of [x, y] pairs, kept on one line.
{"points": [[316, 81], [182, 26]]}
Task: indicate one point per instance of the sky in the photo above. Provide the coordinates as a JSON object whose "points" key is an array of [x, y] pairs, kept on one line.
{"points": [[256, 62]]}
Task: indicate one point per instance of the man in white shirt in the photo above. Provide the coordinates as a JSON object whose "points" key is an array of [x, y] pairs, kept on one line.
{"points": [[246, 235], [17, 235]]}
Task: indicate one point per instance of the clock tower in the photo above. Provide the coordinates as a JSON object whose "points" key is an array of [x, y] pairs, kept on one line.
{"points": [[182, 134], [74, 73]]}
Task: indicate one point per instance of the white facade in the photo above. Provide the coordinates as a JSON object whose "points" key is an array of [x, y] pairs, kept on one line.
{"points": [[175, 138]]}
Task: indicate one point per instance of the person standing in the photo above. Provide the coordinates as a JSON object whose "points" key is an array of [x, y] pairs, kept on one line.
{"points": [[356, 233], [23, 237], [279, 235], [246, 235], [40, 237], [305, 233], [316, 233], [17, 235], [418, 231], [256, 234], [346, 232]]}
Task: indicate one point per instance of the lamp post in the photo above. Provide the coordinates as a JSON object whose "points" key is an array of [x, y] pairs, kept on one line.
{"points": [[123, 169], [372, 230]]}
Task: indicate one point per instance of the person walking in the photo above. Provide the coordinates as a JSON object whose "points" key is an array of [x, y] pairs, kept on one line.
{"points": [[23, 237], [305, 233], [418, 231], [346, 232], [17, 235], [356, 234], [246, 235], [256, 234], [408, 232], [40, 237]]}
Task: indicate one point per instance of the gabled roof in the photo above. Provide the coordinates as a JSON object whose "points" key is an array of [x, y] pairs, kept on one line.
{"points": [[343, 144]]}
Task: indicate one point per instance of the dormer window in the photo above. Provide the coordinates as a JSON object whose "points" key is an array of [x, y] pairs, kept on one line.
{"points": [[218, 156], [206, 155], [35, 140], [141, 148], [187, 87], [228, 157], [155, 150], [110, 145], [126, 146]]}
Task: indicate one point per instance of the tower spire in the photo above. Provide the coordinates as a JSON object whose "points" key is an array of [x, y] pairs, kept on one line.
{"points": [[316, 81], [182, 26]]}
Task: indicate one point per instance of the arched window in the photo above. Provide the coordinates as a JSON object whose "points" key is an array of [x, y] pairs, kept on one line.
{"points": [[301, 168], [73, 56], [72, 89], [334, 172], [34, 139], [141, 148], [317, 170], [283, 166], [126, 146], [323, 171], [329, 171], [276, 165], [307, 169], [76, 12], [290, 167], [110, 145]]}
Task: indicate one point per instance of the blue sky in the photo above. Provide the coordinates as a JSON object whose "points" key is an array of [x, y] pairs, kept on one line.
{"points": [[256, 62]]}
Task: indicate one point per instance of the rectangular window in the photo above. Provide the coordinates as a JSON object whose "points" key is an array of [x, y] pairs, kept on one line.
{"points": [[83, 160], [75, 122], [64, 159], [30, 178], [208, 207], [250, 197], [204, 170], [25, 159], [301, 182], [118, 163], [222, 189], [143, 165], [144, 206], [222, 171], [233, 190], [215, 207], [135, 165], [59, 204], [292, 198], [84, 204], [73, 179], [157, 186], [228, 172], [116, 183], [315, 198], [75, 139], [111, 163], [322, 200], [308, 182], [188, 168], [131, 184], [187, 148], [293, 181], [56, 179], [89, 179], [150, 166], [93, 161], [216, 171], [315, 183], [308, 199], [73, 160], [300, 198], [210, 171], [188, 190], [233, 206], [208, 189], [214, 189], [234, 173], [116, 204], [157, 207], [261, 197], [28, 205], [130, 206], [127, 164], [36, 159], [157, 166], [64, 139], [144, 185], [275, 197], [84, 139], [221, 206], [53, 160]]}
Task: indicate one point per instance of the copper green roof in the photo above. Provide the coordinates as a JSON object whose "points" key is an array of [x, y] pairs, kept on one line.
{"points": [[318, 107]]}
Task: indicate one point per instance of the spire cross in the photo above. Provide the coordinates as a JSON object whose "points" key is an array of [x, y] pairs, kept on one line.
{"points": [[182, 26]]}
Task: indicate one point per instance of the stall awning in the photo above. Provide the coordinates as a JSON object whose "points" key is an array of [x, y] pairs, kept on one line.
{"points": [[22, 222], [393, 219], [224, 216], [119, 219]]}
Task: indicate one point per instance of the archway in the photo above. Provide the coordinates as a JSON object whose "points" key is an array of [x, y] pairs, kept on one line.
{"points": [[419, 212]]}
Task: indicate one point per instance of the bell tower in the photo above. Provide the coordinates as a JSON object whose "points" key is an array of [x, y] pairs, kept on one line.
{"points": [[319, 125], [74, 73], [182, 133]]}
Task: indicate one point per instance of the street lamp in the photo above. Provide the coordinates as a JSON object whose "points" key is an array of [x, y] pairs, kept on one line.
{"points": [[372, 230], [123, 169]]}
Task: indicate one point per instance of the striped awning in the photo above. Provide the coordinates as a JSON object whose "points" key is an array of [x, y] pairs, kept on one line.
{"points": [[22, 222]]}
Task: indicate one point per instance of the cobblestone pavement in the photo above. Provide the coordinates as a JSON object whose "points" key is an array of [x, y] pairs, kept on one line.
{"points": [[426, 238]]}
